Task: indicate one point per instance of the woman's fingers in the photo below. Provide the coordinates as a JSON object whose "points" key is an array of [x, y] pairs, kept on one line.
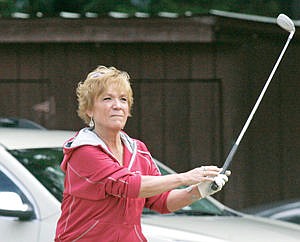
{"points": [[200, 174], [210, 171]]}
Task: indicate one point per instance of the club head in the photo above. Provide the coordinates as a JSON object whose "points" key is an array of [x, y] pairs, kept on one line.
{"points": [[286, 23]]}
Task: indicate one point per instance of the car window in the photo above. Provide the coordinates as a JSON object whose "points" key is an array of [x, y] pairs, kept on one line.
{"points": [[44, 164], [19, 123], [8, 185], [294, 219], [289, 215]]}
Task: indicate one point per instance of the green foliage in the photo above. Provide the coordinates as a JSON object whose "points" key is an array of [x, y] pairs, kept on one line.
{"points": [[105, 6], [257, 7], [53, 7], [6, 7]]}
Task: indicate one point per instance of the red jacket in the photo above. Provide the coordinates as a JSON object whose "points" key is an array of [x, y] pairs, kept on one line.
{"points": [[100, 201]]}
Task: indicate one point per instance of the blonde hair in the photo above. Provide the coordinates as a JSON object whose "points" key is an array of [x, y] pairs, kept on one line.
{"points": [[98, 82]]}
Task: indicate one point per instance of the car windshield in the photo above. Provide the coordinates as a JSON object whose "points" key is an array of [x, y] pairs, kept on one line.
{"points": [[44, 164]]}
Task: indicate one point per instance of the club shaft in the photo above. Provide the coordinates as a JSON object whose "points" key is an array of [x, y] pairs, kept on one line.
{"points": [[263, 91], [229, 158], [247, 123]]}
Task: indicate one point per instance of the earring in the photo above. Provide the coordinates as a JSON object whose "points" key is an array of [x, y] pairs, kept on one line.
{"points": [[92, 124]]}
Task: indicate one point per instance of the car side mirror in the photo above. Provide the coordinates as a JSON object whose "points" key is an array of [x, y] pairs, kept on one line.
{"points": [[11, 205]]}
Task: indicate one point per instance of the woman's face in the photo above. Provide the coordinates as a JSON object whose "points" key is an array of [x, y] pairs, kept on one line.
{"points": [[111, 109]]}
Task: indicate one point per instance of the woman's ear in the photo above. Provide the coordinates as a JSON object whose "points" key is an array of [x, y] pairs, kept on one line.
{"points": [[89, 113], [91, 123]]}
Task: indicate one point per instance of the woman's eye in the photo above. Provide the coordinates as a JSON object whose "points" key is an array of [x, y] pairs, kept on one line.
{"points": [[124, 99], [106, 98]]}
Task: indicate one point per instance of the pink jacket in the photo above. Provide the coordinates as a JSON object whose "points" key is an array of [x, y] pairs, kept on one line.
{"points": [[100, 201]]}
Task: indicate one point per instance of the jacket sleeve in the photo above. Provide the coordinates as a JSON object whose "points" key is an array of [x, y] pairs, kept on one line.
{"points": [[157, 203], [93, 174]]}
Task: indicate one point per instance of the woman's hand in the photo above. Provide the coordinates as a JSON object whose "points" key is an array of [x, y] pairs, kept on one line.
{"points": [[200, 174], [205, 188]]}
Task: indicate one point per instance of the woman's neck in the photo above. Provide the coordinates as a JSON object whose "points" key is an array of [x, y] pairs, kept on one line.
{"points": [[113, 142]]}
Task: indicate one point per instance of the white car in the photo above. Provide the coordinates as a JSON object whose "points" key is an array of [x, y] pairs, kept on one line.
{"points": [[31, 185]]}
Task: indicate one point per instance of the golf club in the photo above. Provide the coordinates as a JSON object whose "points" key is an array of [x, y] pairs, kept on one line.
{"points": [[287, 24]]}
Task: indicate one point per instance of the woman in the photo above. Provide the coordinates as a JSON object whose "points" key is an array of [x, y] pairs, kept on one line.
{"points": [[111, 177]]}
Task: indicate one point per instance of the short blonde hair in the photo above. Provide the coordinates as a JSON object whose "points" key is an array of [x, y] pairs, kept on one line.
{"points": [[98, 82]]}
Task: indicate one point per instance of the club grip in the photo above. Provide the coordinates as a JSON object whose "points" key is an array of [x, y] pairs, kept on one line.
{"points": [[214, 185]]}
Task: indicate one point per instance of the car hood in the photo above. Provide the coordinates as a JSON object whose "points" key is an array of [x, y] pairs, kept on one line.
{"points": [[234, 229]]}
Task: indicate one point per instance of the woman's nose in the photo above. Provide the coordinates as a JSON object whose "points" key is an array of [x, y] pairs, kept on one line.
{"points": [[117, 103]]}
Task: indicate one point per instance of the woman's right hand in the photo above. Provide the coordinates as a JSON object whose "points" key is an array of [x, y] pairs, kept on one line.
{"points": [[200, 174]]}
